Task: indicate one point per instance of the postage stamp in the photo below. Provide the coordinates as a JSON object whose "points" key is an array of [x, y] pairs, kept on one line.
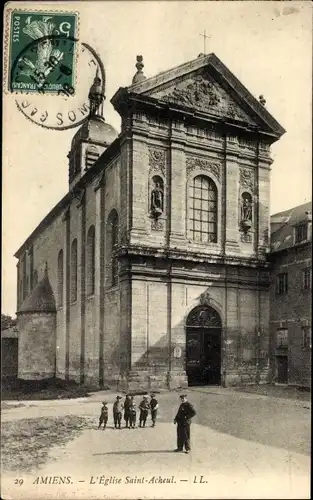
{"points": [[41, 56], [72, 108]]}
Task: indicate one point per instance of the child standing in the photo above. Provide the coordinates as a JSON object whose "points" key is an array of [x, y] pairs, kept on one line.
{"points": [[154, 405], [104, 415], [132, 413], [117, 412], [127, 404], [144, 410]]}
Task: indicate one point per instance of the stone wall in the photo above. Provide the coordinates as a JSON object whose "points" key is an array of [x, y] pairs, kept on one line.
{"points": [[159, 311], [36, 347]]}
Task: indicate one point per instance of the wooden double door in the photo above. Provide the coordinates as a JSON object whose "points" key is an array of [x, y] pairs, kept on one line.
{"points": [[203, 347]]}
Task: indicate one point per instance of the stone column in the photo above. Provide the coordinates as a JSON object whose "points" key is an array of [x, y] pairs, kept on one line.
{"points": [[177, 351], [140, 163], [231, 195], [263, 209], [177, 183]]}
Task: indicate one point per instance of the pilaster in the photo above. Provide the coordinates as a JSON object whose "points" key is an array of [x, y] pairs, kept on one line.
{"points": [[140, 161], [231, 180], [177, 181]]}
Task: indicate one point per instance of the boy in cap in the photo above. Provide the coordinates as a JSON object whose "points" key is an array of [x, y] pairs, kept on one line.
{"points": [[132, 413], [183, 420], [144, 409], [103, 419], [127, 404], [117, 412], [154, 405]]}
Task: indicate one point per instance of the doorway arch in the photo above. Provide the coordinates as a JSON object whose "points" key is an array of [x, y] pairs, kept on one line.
{"points": [[203, 346]]}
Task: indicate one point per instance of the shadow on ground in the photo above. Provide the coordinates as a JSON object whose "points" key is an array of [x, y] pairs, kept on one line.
{"points": [[49, 389], [267, 421], [132, 452]]}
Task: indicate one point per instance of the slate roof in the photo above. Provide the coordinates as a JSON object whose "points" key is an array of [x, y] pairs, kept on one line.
{"points": [[282, 226], [41, 298]]}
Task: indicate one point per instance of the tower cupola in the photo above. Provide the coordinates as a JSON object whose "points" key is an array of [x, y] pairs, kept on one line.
{"points": [[94, 135]]}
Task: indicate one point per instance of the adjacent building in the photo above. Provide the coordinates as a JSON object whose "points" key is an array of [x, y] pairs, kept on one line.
{"points": [[152, 271], [291, 295]]}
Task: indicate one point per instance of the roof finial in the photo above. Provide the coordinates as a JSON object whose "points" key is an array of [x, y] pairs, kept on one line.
{"points": [[96, 96], [262, 100], [139, 76], [46, 270]]}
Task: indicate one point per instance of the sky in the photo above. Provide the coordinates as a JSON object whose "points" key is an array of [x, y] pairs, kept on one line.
{"points": [[267, 45]]}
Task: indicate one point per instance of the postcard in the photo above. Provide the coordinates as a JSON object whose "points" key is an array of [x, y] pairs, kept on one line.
{"points": [[157, 246]]}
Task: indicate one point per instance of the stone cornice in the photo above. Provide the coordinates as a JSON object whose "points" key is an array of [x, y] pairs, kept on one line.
{"points": [[188, 256]]}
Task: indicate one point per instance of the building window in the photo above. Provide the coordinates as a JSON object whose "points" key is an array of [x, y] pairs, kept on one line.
{"points": [[306, 278], [60, 278], [24, 274], [203, 210], [90, 261], [306, 337], [74, 271], [31, 268], [20, 294], [282, 337], [35, 278], [91, 156], [281, 283], [301, 233], [113, 231]]}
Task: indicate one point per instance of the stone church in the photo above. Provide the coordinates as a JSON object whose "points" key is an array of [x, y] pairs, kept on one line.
{"points": [[152, 270]]}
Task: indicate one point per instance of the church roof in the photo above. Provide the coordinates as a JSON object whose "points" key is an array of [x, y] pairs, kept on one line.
{"points": [[283, 223], [152, 89], [95, 130], [41, 299]]}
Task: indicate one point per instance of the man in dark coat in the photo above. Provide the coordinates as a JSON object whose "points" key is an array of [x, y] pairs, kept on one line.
{"points": [[183, 420]]}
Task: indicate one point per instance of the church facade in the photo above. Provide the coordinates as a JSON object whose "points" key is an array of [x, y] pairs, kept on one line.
{"points": [[152, 271]]}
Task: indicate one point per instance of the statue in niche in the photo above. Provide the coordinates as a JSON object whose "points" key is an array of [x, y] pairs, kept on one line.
{"points": [[157, 197], [246, 211]]}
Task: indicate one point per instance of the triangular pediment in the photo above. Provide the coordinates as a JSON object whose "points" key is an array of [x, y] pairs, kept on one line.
{"points": [[202, 93], [206, 86]]}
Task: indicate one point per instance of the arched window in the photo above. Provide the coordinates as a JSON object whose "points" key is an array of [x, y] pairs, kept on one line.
{"points": [[35, 278], [31, 268], [20, 292], [90, 261], [112, 246], [203, 210], [60, 278], [74, 271]]}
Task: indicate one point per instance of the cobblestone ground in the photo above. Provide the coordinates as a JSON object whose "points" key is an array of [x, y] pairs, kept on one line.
{"points": [[243, 446]]}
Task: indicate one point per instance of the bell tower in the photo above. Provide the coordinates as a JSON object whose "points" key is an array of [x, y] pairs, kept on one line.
{"points": [[93, 137]]}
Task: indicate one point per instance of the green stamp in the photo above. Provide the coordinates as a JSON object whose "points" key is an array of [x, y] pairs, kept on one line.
{"points": [[42, 52]]}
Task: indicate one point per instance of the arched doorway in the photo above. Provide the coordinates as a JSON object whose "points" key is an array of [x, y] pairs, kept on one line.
{"points": [[203, 346]]}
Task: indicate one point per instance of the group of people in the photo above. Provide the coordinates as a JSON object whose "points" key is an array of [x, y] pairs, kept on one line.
{"points": [[129, 408], [183, 417]]}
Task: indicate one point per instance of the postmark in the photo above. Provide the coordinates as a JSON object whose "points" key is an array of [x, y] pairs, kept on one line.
{"points": [[41, 49], [70, 109]]}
